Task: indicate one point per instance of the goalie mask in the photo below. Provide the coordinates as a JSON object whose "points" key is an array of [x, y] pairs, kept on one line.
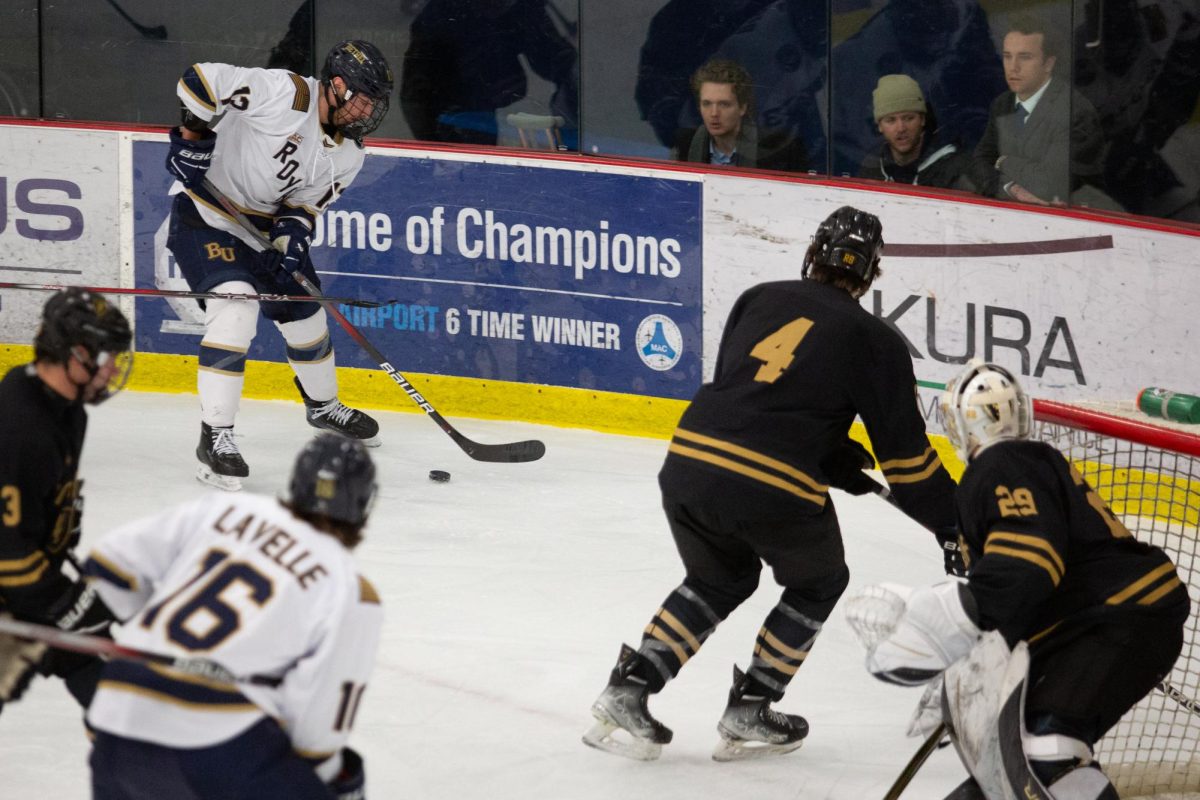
{"points": [[334, 478], [984, 405], [850, 240], [368, 77]]}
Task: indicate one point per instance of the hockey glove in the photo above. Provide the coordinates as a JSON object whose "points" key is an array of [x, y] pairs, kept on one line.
{"points": [[189, 160], [19, 659], [351, 782], [79, 610], [844, 468], [934, 632], [955, 564], [290, 237]]}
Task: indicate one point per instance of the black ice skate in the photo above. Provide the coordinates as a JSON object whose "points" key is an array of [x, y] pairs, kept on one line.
{"points": [[332, 415], [750, 728], [221, 464], [622, 707]]}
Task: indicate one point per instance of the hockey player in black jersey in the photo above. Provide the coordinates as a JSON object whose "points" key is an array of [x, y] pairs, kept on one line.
{"points": [[81, 356], [1099, 614], [746, 481]]}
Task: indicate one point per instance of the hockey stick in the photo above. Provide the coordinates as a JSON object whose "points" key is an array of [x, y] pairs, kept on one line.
{"points": [[157, 32], [265, 298], [107, 648], [919, 758], [513, 452], [1166, 687]]}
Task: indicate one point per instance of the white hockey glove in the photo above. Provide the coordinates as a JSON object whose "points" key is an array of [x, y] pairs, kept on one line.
{"points": [[934, 632]]}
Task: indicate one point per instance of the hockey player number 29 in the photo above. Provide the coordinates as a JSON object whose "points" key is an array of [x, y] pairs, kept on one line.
{"points": [[777, 350]]}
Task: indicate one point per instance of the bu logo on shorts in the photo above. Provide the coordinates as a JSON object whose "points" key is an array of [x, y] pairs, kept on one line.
{"points": [[215, 251]]}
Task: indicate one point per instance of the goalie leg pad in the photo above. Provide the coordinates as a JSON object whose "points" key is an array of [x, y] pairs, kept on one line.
{"points": [[974, 689]]}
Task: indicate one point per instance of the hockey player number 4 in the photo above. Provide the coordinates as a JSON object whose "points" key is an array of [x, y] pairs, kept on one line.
{"points": [[777, 350]]}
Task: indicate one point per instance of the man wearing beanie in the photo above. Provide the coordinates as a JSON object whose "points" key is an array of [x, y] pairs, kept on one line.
{"points": [[910, 151]]}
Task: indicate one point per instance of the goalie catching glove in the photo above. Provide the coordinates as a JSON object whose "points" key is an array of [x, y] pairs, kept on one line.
{"points": [[844, 468], [935, 631]]}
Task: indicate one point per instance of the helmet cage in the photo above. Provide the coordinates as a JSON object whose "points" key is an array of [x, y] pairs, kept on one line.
{"points": [[365, 72], [983, 405]]}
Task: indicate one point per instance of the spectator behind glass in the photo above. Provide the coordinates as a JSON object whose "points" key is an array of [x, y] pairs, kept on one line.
{"points": [[1043, 138], [944, 45], [1139, 65], [784, 47], [912, 151], [682, 36], [462, 65], [729, 136]]}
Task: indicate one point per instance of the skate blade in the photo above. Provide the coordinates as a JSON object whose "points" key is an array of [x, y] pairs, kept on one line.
{"points": [[228, 483], [600, 736], [743, 750]]}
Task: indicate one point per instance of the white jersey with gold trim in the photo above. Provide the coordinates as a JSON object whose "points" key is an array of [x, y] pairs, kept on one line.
{"points": [[242, 582], [271, 152]]}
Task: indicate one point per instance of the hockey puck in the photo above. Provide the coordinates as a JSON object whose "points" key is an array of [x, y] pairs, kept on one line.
{"points": [[439, 475]]}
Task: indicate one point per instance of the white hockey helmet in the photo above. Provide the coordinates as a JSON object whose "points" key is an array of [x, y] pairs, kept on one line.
{"points": [[983, 405]]}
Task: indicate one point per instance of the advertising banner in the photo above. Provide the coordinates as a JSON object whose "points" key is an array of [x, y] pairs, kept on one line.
{"points": [[58, 218], [486, 270]]}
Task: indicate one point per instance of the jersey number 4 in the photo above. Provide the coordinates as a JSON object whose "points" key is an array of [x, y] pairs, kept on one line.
{"points": [[777, 350]]}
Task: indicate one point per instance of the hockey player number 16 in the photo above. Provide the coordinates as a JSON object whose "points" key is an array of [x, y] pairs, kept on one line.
{"points": [[777, 350]]}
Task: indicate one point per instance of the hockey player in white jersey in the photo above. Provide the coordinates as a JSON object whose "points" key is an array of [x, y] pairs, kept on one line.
{"points": [[268, 590], [282, 148]]}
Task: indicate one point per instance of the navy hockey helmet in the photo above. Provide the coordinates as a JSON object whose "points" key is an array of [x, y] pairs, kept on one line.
{"points": [[77, 323], [334, 478], [364, 69], [850, 240]]}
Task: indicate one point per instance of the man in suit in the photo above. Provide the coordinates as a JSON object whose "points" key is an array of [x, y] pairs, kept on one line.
{"points": [[1043, 140]]}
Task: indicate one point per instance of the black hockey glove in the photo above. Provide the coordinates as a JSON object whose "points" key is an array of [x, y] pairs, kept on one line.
{"points": [[189, 160], [956, 566], [290, 236], [351, 782], [844, 468], [79, 610]]}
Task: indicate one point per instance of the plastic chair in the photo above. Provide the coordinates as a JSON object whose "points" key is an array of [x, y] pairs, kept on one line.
{"points": [[530, 125]]}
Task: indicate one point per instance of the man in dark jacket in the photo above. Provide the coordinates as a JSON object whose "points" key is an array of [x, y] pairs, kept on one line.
{"points": [[911, 151], [1043, 139], [729, 136]]}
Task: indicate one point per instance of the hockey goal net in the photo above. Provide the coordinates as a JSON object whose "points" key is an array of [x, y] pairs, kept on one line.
{"points": [[1148, 471]]}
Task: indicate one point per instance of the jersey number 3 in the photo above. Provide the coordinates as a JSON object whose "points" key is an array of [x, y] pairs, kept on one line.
{"points": [[777, 350]]}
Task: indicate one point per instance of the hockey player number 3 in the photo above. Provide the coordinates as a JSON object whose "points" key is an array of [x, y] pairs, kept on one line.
{"points": [[777, 350]]}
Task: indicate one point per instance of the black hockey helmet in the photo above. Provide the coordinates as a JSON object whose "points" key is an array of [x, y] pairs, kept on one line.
{"points": [[364, 69], [82, 324], [333, 478], [850, 240]]}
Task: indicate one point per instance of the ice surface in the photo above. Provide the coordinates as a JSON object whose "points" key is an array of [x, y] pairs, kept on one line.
{"points": [[508, 592]]}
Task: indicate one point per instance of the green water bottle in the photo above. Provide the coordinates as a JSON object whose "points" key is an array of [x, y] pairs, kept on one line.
{"points": [[1164, 403]]}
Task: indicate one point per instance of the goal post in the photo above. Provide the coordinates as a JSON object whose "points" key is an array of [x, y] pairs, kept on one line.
{"points": [[1148, 472]]}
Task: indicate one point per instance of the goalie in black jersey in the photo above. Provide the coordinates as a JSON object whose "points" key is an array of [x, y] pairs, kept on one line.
{"points": [[1095, 614], [746, 481]]}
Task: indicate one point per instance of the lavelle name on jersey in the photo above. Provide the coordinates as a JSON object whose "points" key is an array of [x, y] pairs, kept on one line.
{"points": [[273, 542]]}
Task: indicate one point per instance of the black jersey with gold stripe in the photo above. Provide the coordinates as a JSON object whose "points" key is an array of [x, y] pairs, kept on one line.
{"points": [[798, 361], [41, 436], [1042, 546]]}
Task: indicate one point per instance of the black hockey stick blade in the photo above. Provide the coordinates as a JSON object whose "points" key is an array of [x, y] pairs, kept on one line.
{"points": [[107, 648], [510, 453], [150, 32], [919, 758]]}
